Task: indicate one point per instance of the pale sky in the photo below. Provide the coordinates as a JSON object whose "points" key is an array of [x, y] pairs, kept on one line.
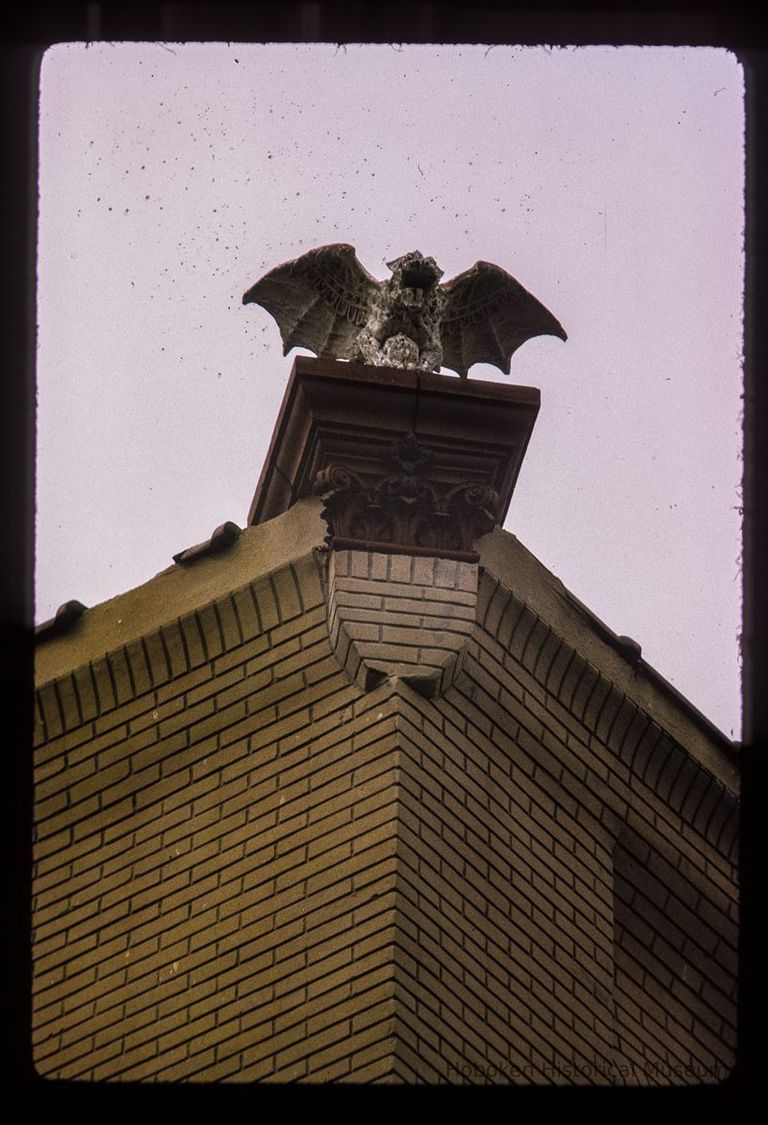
{"points": [[608, 181]]}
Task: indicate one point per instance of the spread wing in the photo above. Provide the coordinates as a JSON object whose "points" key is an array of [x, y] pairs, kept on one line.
{"points": [[320, 300], [487, 316]]}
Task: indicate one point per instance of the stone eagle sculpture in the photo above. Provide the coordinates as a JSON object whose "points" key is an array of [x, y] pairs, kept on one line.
{"points": [[327, 302]]}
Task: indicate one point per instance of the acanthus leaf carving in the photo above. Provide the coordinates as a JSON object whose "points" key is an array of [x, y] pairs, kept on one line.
{"points": [[406, 509]]}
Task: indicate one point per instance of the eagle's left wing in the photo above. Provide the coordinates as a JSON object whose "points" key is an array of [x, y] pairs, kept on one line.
{"points": [[487, 316]]}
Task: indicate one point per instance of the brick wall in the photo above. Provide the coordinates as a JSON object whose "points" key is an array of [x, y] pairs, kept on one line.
{"points": [[197, 913], [672, 829], [248, 868]]}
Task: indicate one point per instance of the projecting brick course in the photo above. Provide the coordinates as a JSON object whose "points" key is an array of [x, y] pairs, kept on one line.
{"points": [[391, 614], [253, 864]]}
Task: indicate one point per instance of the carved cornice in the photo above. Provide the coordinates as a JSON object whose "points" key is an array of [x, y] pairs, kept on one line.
{"points": [[409, 510], [346, 415]]}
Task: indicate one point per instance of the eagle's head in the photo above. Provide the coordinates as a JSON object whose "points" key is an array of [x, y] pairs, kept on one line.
{"points": [[414, 278]]}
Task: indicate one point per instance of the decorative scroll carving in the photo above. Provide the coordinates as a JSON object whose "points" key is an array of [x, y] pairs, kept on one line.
{"points": [[405, 509]]}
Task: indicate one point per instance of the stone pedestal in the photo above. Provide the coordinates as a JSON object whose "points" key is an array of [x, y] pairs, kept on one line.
{"points": [[413, 468], [348, 417]]}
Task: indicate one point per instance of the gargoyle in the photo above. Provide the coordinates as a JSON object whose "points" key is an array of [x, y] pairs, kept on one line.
{"points": [[327, 302]]}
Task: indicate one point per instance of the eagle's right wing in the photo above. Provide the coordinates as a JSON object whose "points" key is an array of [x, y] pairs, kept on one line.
{"points": [[320, 300]]}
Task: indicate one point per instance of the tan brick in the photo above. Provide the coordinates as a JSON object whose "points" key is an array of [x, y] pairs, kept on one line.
{"points": [[247, 614], [57, 826], [81, 990], [215, 1071], [493, 875], [157, 890], [288, 591], [158, 1066], [155, 792], [186, 717]]}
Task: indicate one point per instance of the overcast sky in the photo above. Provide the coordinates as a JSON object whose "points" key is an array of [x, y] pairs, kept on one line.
{"points": [[608, 181]]}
